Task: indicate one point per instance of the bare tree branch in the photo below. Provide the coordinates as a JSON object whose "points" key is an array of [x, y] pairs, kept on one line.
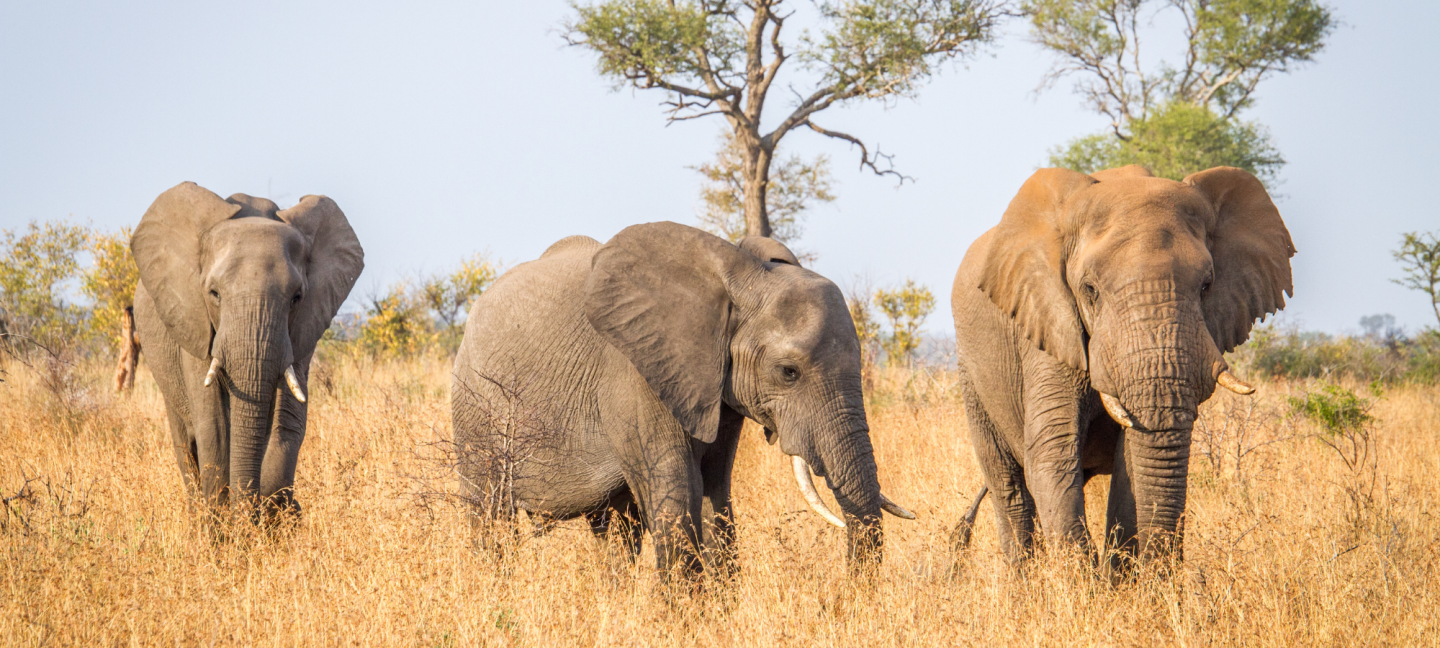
{"points": [[866, 160]]}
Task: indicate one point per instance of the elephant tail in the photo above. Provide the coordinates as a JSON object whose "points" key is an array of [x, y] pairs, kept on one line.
{"points": [[129, 352], [960, 536]]}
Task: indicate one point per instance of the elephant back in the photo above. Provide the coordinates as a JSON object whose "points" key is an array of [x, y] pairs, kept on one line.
{"points": [[527, 340]]}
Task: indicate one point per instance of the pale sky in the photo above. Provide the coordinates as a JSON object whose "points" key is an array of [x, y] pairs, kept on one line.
{"points": [[445, 128]]}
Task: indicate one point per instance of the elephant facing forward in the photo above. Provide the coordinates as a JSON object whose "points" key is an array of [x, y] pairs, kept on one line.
{"points": [[233, 296], [1113, 292], [611, 381]]}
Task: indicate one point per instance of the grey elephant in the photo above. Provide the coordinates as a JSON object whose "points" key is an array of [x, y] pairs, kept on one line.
{"points": [[611, 381], [233, 296], [1115, 292]]}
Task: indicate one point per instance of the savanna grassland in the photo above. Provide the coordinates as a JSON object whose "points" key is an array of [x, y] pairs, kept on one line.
{"points": [[1290, 545]]}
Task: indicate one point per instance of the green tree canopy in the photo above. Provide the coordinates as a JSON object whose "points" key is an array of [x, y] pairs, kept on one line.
{"points": [[1177, 120], [722, 57]]}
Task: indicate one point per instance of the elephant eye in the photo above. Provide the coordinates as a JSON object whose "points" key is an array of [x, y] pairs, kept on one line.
{"points": [[790, 373], [1090, 292], [295, 299], [215, 295]]}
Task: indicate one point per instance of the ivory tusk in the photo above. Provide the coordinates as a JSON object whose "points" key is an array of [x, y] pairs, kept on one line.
{"points": [[807, 486], [895, 509], [210, 375], [294, 383], [1116, 410], [1230, 382]]}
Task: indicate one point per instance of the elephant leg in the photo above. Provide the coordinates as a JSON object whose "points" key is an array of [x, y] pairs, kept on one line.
{"points": [[211, 432], [1005, 479], [665, 477], [184, 446], [717, 468], [1054, 477], [282, 453], [619, 520], [1054, 395], [1121, 521]]}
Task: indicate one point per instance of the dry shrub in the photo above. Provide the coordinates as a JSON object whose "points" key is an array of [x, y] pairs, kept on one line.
{"points": [[99, 547]]}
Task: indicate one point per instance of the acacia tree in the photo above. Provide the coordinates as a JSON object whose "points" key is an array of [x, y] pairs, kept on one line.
{"points": [[722, 57], [1419, 257], [793, 186], [1176, 118]]}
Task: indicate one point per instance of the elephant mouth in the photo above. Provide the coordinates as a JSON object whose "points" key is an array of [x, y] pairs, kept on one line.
{"points": [[805, 480], [1117, 410], [291, 380]]}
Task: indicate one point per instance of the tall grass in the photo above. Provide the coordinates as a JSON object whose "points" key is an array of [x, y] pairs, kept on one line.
{"points": [[98, 547]]}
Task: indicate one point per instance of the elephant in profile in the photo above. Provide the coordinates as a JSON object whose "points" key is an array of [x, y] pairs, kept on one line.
{"points": [[611, 381], [233, 296], [1115, 292]]}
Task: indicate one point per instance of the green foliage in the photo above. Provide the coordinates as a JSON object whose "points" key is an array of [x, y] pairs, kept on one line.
{"points": [[35, 265], [110, 282], [881, 48], [1335, 409], [1392, 358], [866, 328], [647, 42], [414, 317], [794, 186], [721, 57], [1239, 42], [396, 323], [906, 308], [1419, 257], [1175, 141], [1176, 120], [448, 297]]}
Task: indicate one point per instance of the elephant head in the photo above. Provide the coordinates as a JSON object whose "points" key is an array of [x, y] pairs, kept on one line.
{"points": [[1142, 283], [250, 288], [707, 323]]}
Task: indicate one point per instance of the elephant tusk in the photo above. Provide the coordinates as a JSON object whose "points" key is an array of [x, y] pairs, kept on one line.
{"points": [[1230, 382], [210, 375], [895, 509], [1116, 410], [294, 383], [807, 486]]}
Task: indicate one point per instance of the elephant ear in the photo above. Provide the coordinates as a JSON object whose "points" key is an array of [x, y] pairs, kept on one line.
{"points": [[166, 246], [1024, 272], [660, 294], [769, 249], [334, 260], [1251, 249]]}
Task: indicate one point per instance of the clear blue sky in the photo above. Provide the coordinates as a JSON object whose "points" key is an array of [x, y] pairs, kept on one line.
{"points": [[446, 128]]}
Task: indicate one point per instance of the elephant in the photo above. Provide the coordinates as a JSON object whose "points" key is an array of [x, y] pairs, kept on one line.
{"points": [[233, 296], [1111, 293], [611, 382]]}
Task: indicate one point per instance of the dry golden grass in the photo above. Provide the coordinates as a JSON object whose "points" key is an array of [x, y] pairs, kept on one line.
{"points": [[99, 548]]}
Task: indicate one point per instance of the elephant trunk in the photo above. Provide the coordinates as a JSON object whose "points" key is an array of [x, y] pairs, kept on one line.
{"points": [[1149, 492], [254, 348], [1153, 365], [850, 472]]}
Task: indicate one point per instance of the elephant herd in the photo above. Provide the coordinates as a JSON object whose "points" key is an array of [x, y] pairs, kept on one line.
{"points": [[1090, 325]]}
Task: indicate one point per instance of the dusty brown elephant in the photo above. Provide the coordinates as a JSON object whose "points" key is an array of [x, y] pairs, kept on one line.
{"points": [[233, 296], [1113, 292]]}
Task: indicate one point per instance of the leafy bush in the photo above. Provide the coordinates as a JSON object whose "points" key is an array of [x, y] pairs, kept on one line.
{"points": [[38, 267], [1335, 409], [1387, 357], [414, 317]]}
